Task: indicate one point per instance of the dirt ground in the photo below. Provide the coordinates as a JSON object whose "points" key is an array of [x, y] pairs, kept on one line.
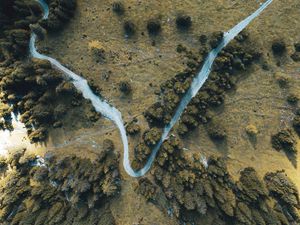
{"points": [[258, 99]]}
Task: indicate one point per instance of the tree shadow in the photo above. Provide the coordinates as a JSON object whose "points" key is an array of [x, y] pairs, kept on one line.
{"points": [[221, 145], [253, 140], [292, 157]]}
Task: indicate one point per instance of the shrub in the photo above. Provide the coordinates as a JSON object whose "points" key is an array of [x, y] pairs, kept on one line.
{"points": [[284, 140], [216, 131], [251, 130], [183, 22], [118, 8], [292, 99], [278, 47], [153, 27], [125, 87], [129, 28]]}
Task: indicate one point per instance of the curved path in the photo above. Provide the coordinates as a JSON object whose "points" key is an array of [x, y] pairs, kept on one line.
{"points": [[114, 115]]}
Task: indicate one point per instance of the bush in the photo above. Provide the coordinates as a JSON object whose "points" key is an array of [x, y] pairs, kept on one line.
{"points": [[153, 27], [183, 22], [216, 38], [129, 28], [296, 56], [98, 53], [278, 47], [133, 128], [297, 47], [282, 79], [118, 8], [216, 131], [125, 87], [284, 140], [152, 136], [251, 130], [292, 99], [203, 39], [296, 124]]}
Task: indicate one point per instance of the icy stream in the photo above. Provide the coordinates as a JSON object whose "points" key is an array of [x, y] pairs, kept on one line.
{"points": [[114, 115]]}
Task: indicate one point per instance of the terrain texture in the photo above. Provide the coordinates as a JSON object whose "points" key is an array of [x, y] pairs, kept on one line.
{"points": [[231, 158]]}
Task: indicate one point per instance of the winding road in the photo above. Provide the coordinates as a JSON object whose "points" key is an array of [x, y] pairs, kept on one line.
{"points": [[115, 116]]}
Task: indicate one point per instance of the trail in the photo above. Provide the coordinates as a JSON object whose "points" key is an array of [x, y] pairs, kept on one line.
{"points": [[114, 115]]}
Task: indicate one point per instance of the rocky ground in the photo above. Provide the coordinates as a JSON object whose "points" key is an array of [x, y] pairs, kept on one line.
{"points": [[141, 57]]}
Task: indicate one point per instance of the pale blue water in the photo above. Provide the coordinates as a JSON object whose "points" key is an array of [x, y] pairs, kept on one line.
{"points": [[114, 115]]}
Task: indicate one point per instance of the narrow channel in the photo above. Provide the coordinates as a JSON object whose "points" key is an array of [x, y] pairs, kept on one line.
{"points": [[115, 115]]}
